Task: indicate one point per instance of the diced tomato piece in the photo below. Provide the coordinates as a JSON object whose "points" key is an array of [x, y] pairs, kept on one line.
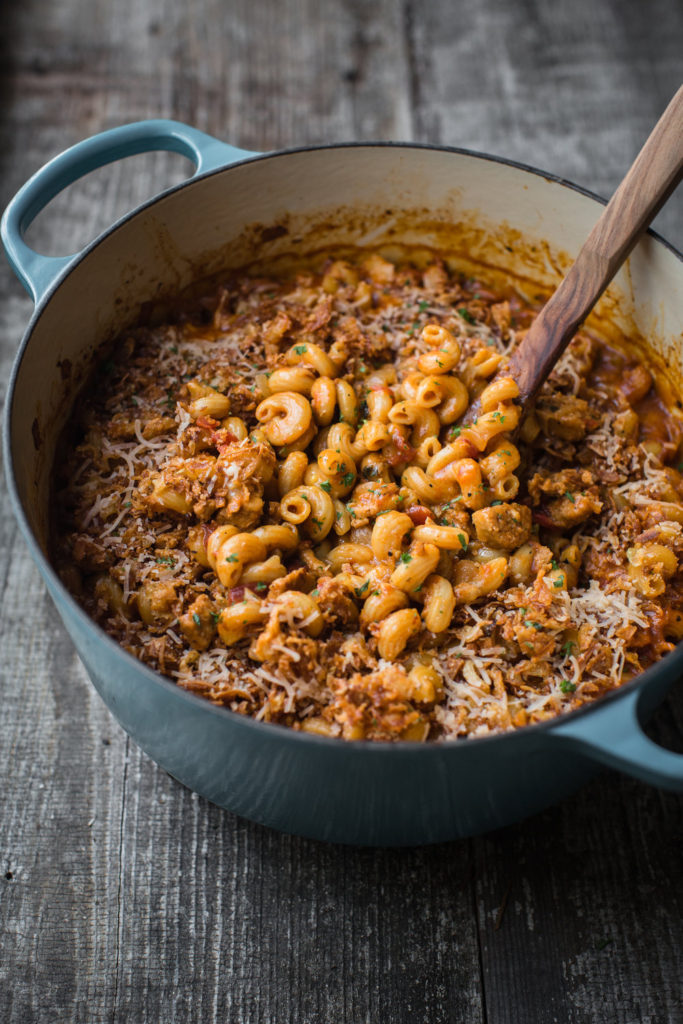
{"points": [[419, 514]]}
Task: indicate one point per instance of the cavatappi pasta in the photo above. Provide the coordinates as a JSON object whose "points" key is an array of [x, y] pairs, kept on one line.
{"points": [[277, 501]]}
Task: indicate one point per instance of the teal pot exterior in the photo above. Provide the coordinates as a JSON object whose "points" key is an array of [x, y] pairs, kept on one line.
{"points": [[360, 793]]}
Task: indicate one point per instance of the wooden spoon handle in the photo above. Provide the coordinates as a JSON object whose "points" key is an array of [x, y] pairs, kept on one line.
{"points": [[654, 175]]}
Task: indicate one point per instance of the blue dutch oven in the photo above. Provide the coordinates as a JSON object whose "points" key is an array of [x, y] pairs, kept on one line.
{"points": [[241, 208]]}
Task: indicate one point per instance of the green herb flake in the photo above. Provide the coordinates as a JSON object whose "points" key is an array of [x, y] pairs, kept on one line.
{"points": [[361, 590], [455, 431], [422, 305], [215, 616], [568, 494], [568, 648], [165, 560], [128, 504], [559, 583], [195, 618], [300, 349], [325, 485], [348, 479], [496, 501], [232, 558], [566, 686], [260, 585], [405, 557], [466, 315], [463, 541], [315, 593]]}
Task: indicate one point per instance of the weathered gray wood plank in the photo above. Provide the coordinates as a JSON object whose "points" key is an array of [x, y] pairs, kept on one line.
{"points": [[130, 899]]}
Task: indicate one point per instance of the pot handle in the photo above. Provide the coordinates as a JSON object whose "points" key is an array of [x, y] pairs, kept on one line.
{"points": [[37, 272], [612, 735]]}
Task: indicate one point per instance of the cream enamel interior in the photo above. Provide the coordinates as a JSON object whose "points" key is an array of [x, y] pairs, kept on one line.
{"points": [[478, 210]]}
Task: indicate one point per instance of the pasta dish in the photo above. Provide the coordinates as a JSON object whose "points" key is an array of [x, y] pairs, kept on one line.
{"points": [[275, 498]]}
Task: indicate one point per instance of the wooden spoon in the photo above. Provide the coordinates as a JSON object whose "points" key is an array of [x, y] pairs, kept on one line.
{"points": [[654, 175]]}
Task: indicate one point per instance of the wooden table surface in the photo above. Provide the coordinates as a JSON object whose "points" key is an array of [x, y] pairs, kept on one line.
{"points": [[124, 897]]}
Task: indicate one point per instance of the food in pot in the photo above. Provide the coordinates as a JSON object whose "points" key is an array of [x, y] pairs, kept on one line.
{"points": [[274, 500]]}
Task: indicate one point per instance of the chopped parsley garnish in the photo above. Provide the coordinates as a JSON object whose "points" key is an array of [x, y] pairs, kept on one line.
{"points": [[165, 560], [215, 616], [422, 305], [455, 432], [497, 501], [300, 349], [348, 479], [361, 590], [534, 625], [260, 585], [232, 558], [568, 647], [559, 583], [463, 541], [405, 557], [195, 618], [568, 494], [466, 315], [325, 485], [566, 686]]}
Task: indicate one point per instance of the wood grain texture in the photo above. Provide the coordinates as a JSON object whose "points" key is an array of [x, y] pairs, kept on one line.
{"points": [[653, 176], [124, 897]]}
